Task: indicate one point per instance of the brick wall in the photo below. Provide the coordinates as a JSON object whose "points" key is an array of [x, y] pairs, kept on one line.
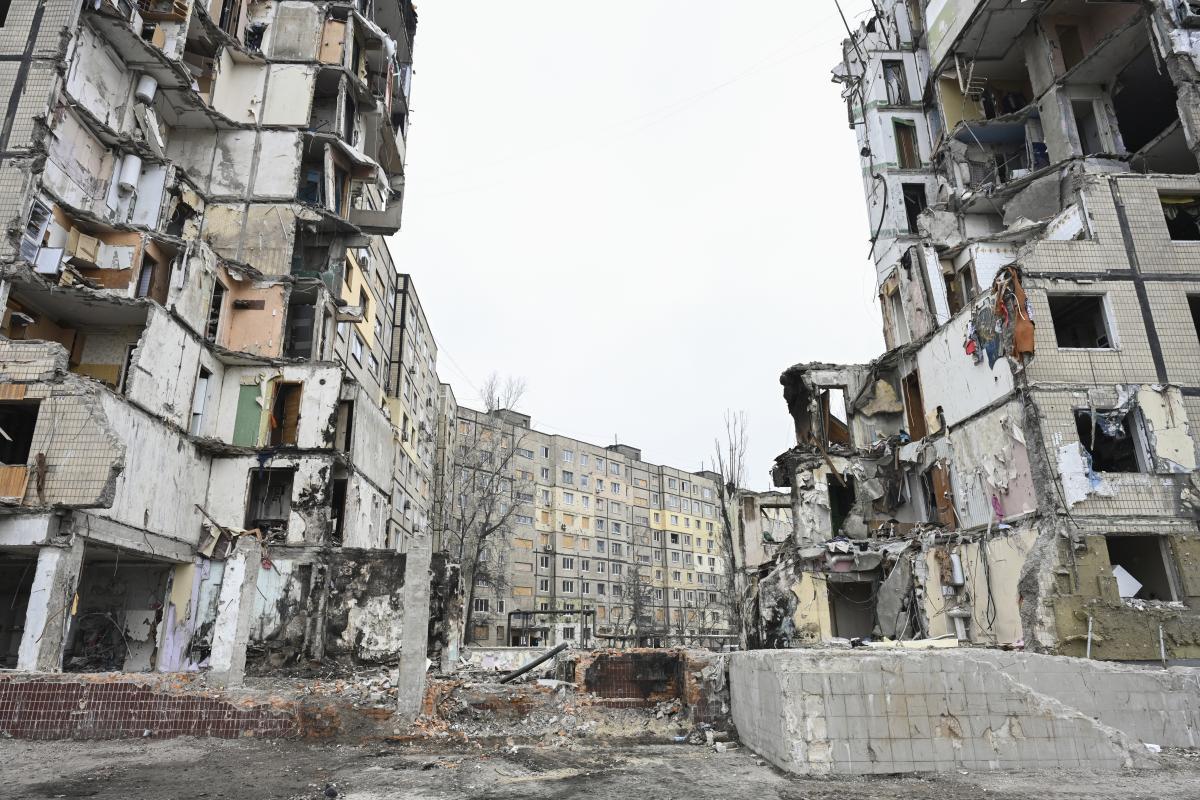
{"points": [[62, 709]]}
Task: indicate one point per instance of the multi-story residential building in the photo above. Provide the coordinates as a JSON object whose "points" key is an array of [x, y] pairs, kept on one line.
{"points": [[1019, 467], [583, 528], [199, 314]]}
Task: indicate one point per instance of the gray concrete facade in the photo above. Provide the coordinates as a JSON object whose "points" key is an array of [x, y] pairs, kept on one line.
{"points": [[881, 712]]}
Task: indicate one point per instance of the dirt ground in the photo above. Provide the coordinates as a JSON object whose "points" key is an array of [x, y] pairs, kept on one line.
{"points": [[262, 770]]}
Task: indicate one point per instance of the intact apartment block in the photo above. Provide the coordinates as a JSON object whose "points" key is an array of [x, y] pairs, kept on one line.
{"points": [[216, 387], [593, 545], [1019, 468]]}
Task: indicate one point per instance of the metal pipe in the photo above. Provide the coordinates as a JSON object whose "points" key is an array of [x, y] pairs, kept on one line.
{"points": [[1089, 643], [519, 671]]}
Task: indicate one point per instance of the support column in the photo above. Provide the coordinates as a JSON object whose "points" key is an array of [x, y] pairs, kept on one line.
{"points": [[235, 605], [414, 637], [51, 607]]}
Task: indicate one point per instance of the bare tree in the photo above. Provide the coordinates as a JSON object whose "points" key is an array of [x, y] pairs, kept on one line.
{"points": [[730, 455], [486, 492]]}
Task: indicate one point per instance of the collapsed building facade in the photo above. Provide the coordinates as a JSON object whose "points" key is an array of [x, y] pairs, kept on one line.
{"points": [[216, 396], [1019, 467]]}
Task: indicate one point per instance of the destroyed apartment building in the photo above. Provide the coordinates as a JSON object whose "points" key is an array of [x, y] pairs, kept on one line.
{"points": [[217, 393], [1018, 469]]}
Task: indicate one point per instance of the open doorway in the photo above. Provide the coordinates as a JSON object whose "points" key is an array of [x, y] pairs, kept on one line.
{"points": [[852, 609], [120, 609], [16, 578], [1144, 567], [841, 501]]}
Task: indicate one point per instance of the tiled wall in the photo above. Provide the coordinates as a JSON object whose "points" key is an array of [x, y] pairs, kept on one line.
{"points": [[38, 709]]}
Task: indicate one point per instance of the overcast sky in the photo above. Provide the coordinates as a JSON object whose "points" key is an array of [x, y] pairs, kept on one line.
{"points": [[646, 211]]}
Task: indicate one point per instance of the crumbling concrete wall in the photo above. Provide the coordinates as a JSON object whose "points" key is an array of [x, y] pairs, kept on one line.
{"points": [[825, 712], [341, 609]]}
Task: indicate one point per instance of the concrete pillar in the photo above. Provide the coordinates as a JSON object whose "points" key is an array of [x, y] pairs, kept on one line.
{"points": [[51, 607], [235, 605], [414, 637]]}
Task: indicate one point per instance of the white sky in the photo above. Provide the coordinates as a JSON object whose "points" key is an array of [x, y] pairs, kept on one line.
{"points": [[647, 211]]}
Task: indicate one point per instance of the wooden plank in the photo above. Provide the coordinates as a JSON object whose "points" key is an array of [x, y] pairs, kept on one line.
{"points": [[13, 480], [12, 391]]}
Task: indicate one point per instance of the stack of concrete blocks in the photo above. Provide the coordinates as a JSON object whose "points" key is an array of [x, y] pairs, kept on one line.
{"points": [[841, 712]]}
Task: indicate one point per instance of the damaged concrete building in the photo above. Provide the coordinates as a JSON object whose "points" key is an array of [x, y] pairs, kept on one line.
{"points": [[1018, 468], [217, 398]]}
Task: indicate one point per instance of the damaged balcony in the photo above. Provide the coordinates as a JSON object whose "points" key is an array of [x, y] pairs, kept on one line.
{"points": [[100, 334]]}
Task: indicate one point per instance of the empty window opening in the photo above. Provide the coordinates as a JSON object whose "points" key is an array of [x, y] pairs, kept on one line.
{"points": [[914, 405], [344, 427], [901, 334], [835, 420], [1145, 568], [841, 501], [301, 325], [960, 287], [121, 599], [337, 511], [914, 203], [907, 154], [1079, 321], [1183, 217], [1194, 306], [852, 609], [1111, 439], [1069, 45], [17, 423], [284, 422], [4, 6], [216, 304], [199, 399], [16, 576], [270, 501], [939, 504], [1088, 127], [896, 83], [1144, 101], [126, 367]]}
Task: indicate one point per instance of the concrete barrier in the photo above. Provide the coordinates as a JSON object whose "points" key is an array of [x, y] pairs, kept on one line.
{"points": [[895, 711]]}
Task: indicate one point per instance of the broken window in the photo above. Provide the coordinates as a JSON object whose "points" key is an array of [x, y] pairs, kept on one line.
{"points": [[914, 405], [213, 324], [1142, 567], [900, 332], [337, 510], [344, 426], [939, 504], [285, 414], [960, 286], [914, 203], [835, 420], [1079, 321], [841, 500], [1111, 438], [17, 422], [199, 398], [907, 154], [896, 83], [270, 501], [1183, 217], [301, 324], [1144, 101]]}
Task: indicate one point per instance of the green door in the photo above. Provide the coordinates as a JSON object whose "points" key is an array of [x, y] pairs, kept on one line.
{"points": [[249, 417]]}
